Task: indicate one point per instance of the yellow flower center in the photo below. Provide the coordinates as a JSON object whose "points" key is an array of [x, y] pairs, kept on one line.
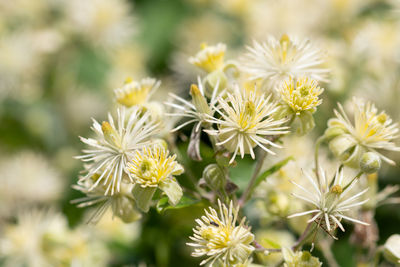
{"points": [[337, 189]]}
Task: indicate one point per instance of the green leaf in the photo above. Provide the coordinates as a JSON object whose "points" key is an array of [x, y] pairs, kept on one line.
{"points": [[185, 201], [271, 170]]}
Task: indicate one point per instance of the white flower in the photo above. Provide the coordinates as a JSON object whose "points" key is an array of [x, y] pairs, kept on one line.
{"points": [[245, 122], [109, 152], [369, 131], [41, 238], [330, 200], [136, 92], [275, 60], [197, 110], [300, 94], [152, 168], [218, 237], [103, 22], [121, 202], [209, 58], [28, 178]]}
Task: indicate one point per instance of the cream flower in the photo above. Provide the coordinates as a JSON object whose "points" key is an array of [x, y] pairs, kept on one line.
{"points": [[370, 131], [136, 92], [245, 122], [330, 200], [300, 94], [41, 238], [152, 168], [275, 60], [217, 237], [109, 152], [197, 110], [121, 202], [300, 258], [209, 58]]}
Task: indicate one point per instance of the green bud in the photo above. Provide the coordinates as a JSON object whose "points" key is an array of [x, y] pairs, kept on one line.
{"points": [[305, 124], [301, 259], [340, 145], [392, 249], [213, 79], [143, 196], [214, 176], [125, 209], [332, 132], [370, 162], [199, 101]]}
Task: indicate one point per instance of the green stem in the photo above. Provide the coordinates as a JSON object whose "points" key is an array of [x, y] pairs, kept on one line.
{"points": [[257, 169], [356, 177]]}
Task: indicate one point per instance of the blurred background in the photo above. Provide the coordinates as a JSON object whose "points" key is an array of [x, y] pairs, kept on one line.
{"points": [[61, 59]]}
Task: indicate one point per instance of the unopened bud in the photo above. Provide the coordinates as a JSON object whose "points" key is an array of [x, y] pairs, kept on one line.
{"points": [[199, 101], [108, 132], [214, 176], [215, 80], [392, 249], [370, 162], [332, 132], [126, 210], [339, 145]]}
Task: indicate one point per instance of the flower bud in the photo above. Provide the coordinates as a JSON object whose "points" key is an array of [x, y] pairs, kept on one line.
{"points": [[392, 249], [199, 101], [300, 259], [109, 133], [125, 209], [332, 132], [217, 77], [370, 162], [341, 146], [214, 176]]}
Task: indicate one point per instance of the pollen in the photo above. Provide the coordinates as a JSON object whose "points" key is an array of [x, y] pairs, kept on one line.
{"points": [[337, 189]]}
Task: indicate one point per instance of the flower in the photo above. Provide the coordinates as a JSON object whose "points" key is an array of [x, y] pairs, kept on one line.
{"points": [[197, 110], [136, 93], [369, 131], [41, 238], [209, 58], [275, 60], [28, 178], [330, 200], [246, 121], [121, 202], [217, 237], [109, 152], [152, 168], [104, 23], [300, 94], [392, 249], [300, 258]]}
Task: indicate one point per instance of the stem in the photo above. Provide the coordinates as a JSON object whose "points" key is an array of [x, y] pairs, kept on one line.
{"points": [[327, 252], [356, 177], [299, 243], [257, 169], [304, 236]]}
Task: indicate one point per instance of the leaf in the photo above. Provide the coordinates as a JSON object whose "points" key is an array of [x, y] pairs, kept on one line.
{"points": [[163, 204], [271, 170]]}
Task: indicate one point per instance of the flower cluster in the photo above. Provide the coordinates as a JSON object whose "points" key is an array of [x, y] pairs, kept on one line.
{"points": [[237, 108]]}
